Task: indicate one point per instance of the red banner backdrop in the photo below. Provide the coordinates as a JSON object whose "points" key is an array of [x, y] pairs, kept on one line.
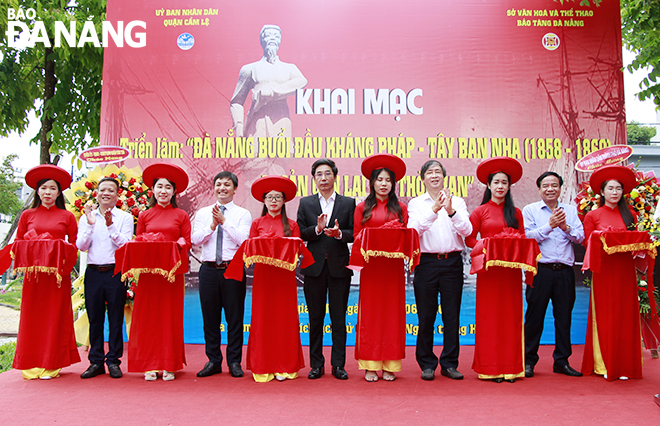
{"points": [[458, 81]]}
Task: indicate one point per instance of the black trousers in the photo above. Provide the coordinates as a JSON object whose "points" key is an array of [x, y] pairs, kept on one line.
{"points": [[336, 289], [432, 277], [215, 293], [105, 289], [558, 286]]}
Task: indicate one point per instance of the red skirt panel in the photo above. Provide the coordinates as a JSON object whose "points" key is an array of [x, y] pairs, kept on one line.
{"points": [[156, 338], [46, 338], [617, 319], [381, 324], [498, 343], [274, 343]]}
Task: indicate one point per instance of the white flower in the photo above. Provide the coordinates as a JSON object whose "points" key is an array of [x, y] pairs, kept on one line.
{"points": [[642, 283]]}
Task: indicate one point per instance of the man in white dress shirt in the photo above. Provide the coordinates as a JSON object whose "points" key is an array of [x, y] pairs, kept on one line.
{"points": [[101, 232], [442, 222], [220, 229]]}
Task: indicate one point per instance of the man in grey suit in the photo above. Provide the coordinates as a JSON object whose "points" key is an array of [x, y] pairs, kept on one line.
{"points": [[326, 223]]}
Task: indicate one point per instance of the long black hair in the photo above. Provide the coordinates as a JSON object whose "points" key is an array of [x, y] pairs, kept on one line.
{"points": [[509, 208], [152, 200], [627, 217], [285, 219], [59, 200], [393, 207]]}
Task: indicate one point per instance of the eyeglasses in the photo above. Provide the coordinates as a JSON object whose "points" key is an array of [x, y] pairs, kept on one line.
{"points": [[323, 174], [273, 198]]}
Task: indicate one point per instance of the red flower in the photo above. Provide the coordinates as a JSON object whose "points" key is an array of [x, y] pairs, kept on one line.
{"points": [[94, 194], [647, 208], [89, 185], [150, 193], [135, 211], [114, 175], [129, 275], [642, 288], [130, 202], [119, 203], [78, 203], [128, 194], [120, 190], [131, 181]]}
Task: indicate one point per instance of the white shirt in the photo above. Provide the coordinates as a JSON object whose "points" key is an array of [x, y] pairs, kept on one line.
{"points": [[439, 233], [235, 230], [326, 208], [101, 241], [327, 205]]}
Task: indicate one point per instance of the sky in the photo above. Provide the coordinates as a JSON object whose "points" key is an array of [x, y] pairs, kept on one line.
{"points": [[28, 154]]}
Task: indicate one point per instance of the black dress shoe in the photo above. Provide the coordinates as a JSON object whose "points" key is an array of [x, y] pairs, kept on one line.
{"points": [[452, 373], [115, 371], [316, 373], [566, 369], [428, 374], [498, 380], [210, 369], [511, 380], [92, 371], [339, 373], [235, 369], [529, 371]]}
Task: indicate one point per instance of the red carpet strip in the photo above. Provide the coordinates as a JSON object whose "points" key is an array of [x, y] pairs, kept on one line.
{"points": [[546, 399]]}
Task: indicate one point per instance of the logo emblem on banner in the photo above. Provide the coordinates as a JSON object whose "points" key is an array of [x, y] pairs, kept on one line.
{"points": [[550, 41], [185, 41]]}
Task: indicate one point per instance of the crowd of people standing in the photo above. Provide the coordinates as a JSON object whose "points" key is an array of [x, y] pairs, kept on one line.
{"points": [[437, 222]]}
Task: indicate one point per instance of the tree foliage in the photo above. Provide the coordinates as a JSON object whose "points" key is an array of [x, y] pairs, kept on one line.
{"points": [[10, 204], [62, 84], [640, 26], [638, 133]]}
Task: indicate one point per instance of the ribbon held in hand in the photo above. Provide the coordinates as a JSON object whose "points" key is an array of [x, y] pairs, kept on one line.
{"points": [[32, 235], [150, 237]]}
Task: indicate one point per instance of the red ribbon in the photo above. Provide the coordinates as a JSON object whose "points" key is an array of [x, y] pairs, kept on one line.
{"points": [[151, 237], [32, 235]]}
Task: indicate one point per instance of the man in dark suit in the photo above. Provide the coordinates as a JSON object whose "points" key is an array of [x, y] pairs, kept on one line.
{"points": [[326, 223]]}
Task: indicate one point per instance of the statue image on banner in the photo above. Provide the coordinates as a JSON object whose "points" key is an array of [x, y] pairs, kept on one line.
{"points": [[271, 82]]}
